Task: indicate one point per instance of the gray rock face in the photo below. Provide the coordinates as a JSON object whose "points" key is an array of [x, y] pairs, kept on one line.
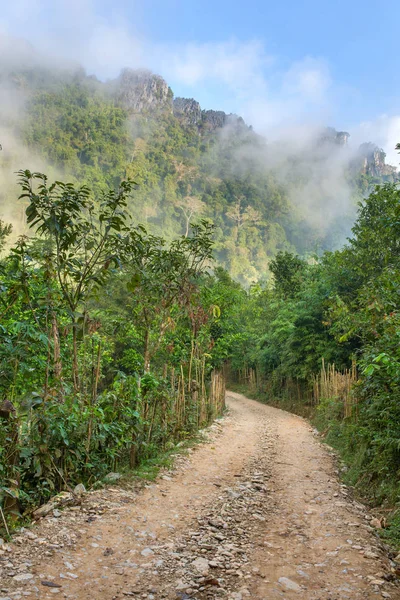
{"points": [[141, 90], [188, 111], [342, 137], [331, 136], [370, 159], [373, 162], [216, 119]]}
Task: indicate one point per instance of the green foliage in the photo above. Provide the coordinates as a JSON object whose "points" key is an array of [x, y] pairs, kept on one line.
{"points": [[77, 129], [288, 271], [105, 337], [5, 231]]}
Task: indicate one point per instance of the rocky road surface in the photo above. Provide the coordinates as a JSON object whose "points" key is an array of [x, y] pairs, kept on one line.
{"points": [[256, 511]]}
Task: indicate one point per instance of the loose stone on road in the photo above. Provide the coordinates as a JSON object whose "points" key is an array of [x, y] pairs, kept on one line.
{"points": [[255, 512]]}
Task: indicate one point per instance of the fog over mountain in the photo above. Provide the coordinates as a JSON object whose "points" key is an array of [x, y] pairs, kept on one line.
{"points": [[268, 184]]}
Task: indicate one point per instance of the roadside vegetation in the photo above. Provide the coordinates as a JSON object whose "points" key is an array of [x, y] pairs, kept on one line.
{"points": [[323, 341], [109, 348]]}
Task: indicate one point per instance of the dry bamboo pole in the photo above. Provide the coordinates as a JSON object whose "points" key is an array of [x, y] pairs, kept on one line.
{"points": [[336, 385], [198, 407], [183, 397], [173, 378], [190, 366], [203, 383], [176, 408]]}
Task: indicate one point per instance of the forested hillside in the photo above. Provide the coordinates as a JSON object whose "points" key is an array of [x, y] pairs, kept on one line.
{"points": [[262, 197]]}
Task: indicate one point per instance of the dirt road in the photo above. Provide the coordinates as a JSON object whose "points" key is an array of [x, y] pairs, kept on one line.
{"points": [[256, 512]]}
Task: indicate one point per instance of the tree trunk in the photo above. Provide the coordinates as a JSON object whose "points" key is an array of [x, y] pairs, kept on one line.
{"points": [[75, 368], [147, 352], [56, 349]]}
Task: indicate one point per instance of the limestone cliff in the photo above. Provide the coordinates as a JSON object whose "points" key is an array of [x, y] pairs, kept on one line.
{"points": [[216, 119], [372, 162], [141, 90], [331, 136], [188, 111]]}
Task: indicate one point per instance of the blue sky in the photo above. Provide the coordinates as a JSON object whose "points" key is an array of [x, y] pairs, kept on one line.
{"points": [[282, 65]]}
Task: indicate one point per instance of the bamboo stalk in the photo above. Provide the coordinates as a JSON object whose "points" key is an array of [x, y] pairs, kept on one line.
{"points": [[5, 522]]}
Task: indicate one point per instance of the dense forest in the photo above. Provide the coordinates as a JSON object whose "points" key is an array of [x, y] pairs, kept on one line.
{"points": [[179, 250]]}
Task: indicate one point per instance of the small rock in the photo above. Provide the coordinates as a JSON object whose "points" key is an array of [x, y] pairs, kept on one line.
{"points": [[303, 574], [289, 584], [110, 477], [370, 554], [201, 565], [147, 552], [79, 490], [213, 564], [378, 582], [23, 577], [50, 584], [377, 523]]}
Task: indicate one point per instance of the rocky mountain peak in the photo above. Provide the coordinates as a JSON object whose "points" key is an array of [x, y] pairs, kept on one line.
{"points": [[372, 161], [140, 90], [187, 110], [331, 136]]}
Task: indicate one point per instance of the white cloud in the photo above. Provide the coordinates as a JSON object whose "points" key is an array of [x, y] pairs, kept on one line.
{"points": [[309, 79], [235, 64], [238, 75]]}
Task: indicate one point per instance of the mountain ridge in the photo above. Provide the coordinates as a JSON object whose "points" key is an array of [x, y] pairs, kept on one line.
{"points": [[149, 90], [189, 163]]}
